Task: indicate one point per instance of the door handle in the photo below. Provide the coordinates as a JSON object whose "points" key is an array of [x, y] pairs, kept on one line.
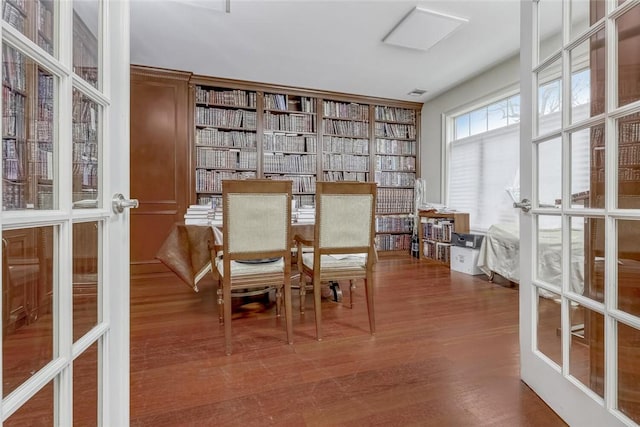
{"points": [[525, 205], [119, 203]]}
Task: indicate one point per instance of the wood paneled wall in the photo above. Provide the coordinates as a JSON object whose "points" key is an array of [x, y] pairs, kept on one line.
{"points": [[160, 157]]}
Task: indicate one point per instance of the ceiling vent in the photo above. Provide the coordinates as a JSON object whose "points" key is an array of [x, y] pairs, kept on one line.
{"points": [[421, 29], [417, 92]]}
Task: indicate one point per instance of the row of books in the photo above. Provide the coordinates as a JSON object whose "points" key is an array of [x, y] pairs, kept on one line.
{"points": [[300, 183], [14, 72], [85, 150], [13, 195], [396, 163], [438, 251], [346, 176], [217, 138], [394, 223], [285, 163], [395, 179], [289, 103], [210, 181], [305, 213], [231, 97], [395, 114], [630, 132], [437, 229], [291, 143], [226, 118], [345, 161], [13, 16], [225, 159], [392, 146], [201, 215], [338, 144], [289, 122], [395, 130], [393, 242], [346, 128], [394, 200], [346, 110]]}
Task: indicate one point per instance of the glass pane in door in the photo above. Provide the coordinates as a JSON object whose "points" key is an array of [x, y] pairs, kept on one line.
{"points": [[629, 161], [587, 78], [586, 358], [628, 64], [27, 297], [550, 173], [549, 30], [86, 28], [581, 163], [85, 387], [549, 117], [85, 277], [34, 19], [549, 326], [38, 411], [629, 266], [28, 148], [86, 152], [628, 376], [549, 250]]}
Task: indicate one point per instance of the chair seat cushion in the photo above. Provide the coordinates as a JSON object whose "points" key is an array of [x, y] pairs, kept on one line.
{"points": [[240, 268], [337, 261]]}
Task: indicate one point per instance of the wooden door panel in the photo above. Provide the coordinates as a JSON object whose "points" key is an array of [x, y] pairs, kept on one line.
{"points": [[159, 157]]}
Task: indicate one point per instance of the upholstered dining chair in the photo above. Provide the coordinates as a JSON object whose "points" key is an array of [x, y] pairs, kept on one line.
{"points": [[256, 243], [343, 243]]}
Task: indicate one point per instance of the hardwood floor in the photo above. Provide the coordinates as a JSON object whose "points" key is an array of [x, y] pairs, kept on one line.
{"points": [[445, 354]]}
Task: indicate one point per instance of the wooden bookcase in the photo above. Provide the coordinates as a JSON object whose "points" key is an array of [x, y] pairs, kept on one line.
{"points": [[434, 233], [225, 144], [395, 150], [290, 143], [245, 130]]}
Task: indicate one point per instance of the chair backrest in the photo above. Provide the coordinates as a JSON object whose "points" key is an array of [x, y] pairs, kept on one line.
{"points": [[257, 218], [345, 217]]}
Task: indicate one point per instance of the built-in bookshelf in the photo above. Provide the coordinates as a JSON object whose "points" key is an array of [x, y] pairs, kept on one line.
{"points": [[395, 172], [345, 141], [248, 130], [434, 233], [225, 139], [290, 143]]}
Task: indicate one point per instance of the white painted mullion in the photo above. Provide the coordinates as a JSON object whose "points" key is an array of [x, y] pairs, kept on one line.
{"points": [[565, 193], [611, 181], [63, 402]]}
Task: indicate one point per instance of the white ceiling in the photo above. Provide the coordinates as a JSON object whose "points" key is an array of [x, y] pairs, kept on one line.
{"points": [[329, 45]]}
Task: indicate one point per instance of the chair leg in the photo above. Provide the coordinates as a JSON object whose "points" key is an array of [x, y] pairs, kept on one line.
{"points": [[278, 301], [303, 291], [226, 296], [352, 287], [317, 303], [368, 286], [288, 312], [220, 304]]}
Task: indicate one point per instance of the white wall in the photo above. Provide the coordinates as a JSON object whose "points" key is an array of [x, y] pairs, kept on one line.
{"points": [[503, 76]]}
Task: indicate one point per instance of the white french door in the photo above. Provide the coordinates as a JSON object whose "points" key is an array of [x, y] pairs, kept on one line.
{"points": [[65, 249], [580, 241]]}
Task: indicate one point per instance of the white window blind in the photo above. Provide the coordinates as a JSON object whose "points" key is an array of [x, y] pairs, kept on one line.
{"points": [[482, 169]]}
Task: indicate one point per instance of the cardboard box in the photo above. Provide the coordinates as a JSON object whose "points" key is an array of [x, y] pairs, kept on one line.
{"points": [[465, 260]]}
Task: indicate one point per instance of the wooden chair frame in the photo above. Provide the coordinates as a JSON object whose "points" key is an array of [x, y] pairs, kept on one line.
{"points": [[233, 250], [321, 249]]}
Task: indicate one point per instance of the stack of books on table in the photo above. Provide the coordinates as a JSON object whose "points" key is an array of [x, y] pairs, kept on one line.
{"points": [[306, 214], [198, 215]]}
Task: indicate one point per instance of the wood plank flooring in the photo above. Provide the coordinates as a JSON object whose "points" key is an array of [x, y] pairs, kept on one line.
{"points": [[445, 354]]}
